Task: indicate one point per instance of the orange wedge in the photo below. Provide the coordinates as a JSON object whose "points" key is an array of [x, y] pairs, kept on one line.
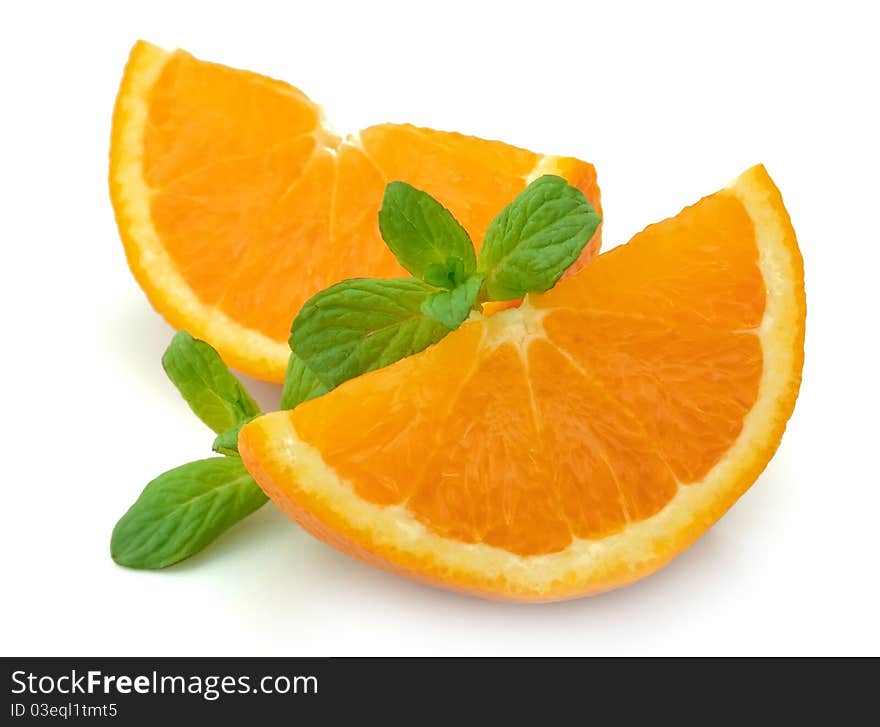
{"points": [[578, 442], [236, 202]]}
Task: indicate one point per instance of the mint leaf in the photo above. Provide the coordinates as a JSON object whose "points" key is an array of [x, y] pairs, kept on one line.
{"points": [[227, 442], [182, 511], [423, 234], [446, 275], [212, 392], [300, 384], [535, 238], [452, 307], [357, 326]]}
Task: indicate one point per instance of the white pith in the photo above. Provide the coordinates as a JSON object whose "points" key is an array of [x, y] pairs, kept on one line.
{"points": [[546, 165]]}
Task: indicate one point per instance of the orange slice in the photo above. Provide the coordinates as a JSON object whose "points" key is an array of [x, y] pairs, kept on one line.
{"points": [[576, 443], [236, 202]]}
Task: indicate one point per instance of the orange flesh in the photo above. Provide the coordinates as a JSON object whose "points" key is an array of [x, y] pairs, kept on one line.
{"points": [[260, 206], [628, 379]]}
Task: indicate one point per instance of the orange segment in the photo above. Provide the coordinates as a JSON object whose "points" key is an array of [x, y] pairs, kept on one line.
{"points": [[236, 202], [573, 444], [201, 114]]}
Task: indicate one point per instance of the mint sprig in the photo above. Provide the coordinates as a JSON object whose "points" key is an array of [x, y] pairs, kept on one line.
{"points": [[351, 328], [183, 510], [363, 324]]}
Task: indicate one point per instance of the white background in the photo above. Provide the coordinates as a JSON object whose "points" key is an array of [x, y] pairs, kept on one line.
{"points": [[669, 101]]}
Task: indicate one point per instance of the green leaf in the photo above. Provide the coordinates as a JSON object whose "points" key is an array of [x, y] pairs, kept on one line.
{"points": [[535, 238], [452, 307], [182, 511], [212, 392], [227, 442], [422, 233], [360, 325], [446, 275], [300, 384]]}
